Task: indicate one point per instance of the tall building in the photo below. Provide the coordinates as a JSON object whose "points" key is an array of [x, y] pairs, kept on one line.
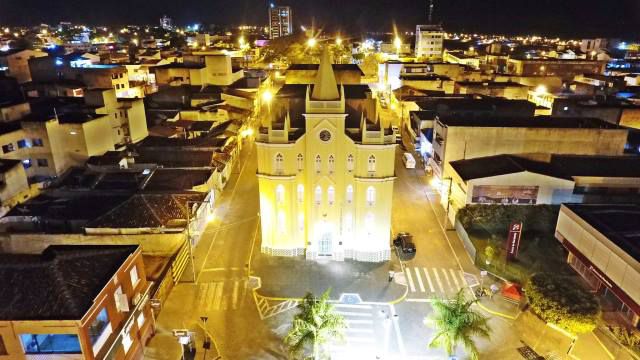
{"points": [[280, 21], [326, 172], [429, 40], [166, 22]]}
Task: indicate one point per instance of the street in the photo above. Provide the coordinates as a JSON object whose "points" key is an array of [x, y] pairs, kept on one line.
{"points": [[248, 326]]}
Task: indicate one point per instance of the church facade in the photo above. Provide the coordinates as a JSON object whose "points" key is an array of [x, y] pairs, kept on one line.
{"points": [[325, 176]]}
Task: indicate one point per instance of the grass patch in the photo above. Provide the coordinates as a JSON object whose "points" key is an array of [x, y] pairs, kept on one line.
{"points": [[487, 226]]}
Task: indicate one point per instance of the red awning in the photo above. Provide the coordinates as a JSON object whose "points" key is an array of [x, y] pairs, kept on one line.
{"points": [[512, 291]]}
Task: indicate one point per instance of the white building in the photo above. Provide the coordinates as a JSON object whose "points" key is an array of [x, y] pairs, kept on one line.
{"points": [[429, 40]]}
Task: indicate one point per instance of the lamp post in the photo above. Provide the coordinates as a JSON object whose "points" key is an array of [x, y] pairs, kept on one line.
{"points": [[209, 218]]}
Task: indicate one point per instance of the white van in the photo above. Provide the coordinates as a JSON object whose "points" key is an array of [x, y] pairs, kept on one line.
{"points": [[409, 161]]}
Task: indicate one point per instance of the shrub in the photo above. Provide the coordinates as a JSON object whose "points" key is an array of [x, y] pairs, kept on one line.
{"points": [[563, 301]]}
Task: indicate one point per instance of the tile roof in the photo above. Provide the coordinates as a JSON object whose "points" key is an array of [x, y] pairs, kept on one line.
{"points": [[148, 211], [489, 166], [547, 122], [177, 179], [59, 284]]}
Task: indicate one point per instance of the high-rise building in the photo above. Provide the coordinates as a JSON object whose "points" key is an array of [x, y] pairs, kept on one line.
{"points": [[429, 40], [326, 172], [166, 22], [280, 21]]}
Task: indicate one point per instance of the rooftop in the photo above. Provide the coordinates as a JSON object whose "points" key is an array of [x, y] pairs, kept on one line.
{"points": [[59, 284], [619, 223], [177, 179], [6, 164], [541, 122], [489, 166], [177, 65], [336, 67]]}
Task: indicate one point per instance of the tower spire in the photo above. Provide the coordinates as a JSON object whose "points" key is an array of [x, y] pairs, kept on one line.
{"points": [[325, 86], [430, 12]]}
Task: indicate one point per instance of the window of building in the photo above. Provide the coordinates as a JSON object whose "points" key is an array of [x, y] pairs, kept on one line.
{"points": [[350, 162], [99, 330], [348, 223], [371, 195], [301, 222], [331, 195], [372, 163], [121, 300], [318, 163], [37, 142], [50, 343], [133, 274], [349, 194], [140, 320], [279, 163], [279, 194], [43, 163], [332, 164], [300, 193], [300, 160], [115, 115], [26, 163], [126, 342], [24, 143], [7, 148], [318, 195], [3, 348], [281, 222]]}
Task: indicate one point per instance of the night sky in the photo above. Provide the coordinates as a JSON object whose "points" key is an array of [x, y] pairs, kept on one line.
{"points": [[576, 18]]}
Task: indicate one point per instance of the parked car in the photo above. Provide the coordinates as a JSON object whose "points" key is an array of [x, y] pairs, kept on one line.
{"points": [[404, 241]]}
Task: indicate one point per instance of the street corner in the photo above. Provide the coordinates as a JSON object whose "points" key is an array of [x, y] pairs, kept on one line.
{"points": [[293, 277]]}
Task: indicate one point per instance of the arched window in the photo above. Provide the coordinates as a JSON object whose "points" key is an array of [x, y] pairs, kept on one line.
{"points": [[331, 195], [280, 194], [349, 194], [371, 195], [350, 162], [318, 163], [300, 193], [279, 163], [372, 163], [300, 160], [332, 164], [318, 195]]}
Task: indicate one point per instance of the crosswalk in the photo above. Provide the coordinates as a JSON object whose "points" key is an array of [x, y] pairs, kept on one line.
{"points": [[221, 295], [433, 281], [369, 332]]}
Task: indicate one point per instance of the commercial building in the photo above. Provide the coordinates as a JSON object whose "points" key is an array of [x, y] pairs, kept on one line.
{"points": [[75, 302], [565, 68], [602, 245], [326, 173], [429, 39], [280, 21]]}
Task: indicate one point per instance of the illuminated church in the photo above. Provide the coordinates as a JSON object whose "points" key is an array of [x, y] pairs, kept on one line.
{"points": [[326, 172]]}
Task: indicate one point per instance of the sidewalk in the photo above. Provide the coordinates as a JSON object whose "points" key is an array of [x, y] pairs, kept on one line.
{"points": [[293, 277]]}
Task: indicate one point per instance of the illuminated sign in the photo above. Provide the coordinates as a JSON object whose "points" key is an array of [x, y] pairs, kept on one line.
{"points": [[513, 241]]}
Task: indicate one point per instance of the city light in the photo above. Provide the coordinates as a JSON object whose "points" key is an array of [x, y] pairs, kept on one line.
{"points": [[540, 90], [312, 42], [338, 41], [398, 43], [267, 96]]}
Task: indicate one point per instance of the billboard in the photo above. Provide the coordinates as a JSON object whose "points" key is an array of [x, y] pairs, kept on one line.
{"points": [[513, 241], [497, 194]]}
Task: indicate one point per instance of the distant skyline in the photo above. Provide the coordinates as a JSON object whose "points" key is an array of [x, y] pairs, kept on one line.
{"points": [[565, 18]]}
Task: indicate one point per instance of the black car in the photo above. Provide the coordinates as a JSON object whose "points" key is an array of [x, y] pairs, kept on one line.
{"points": [[405, 242]]}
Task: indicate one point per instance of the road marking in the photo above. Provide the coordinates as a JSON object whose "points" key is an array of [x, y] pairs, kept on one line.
{"points": [[359, 330], [446, 277], [351, 313], [455, 278], [337, 305], [396, 327], [428, 279], [234, 297], [217, 298], [419, 278], [410, 280], [360, 339], [435, 271]]}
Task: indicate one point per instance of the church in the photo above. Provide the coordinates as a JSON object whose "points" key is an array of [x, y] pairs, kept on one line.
{"points": [[326, 172]]}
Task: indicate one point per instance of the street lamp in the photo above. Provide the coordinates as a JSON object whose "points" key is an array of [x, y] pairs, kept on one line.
{"points": [[398, 44], [338, 41], [312, 42]]}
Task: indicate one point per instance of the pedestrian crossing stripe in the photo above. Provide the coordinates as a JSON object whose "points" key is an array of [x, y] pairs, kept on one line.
{"points": [[220, 295], [434, 280]]}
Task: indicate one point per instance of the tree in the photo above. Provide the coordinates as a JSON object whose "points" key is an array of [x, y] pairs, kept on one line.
{"points": [[315, 324], [564, 302], [457, 324]]}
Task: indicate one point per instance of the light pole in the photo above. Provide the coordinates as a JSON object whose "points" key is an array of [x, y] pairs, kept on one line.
{"points": [[209, 218]]}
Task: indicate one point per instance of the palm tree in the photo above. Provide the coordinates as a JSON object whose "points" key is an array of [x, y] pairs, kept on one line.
{"points": [[315, 324], [456, 323]]}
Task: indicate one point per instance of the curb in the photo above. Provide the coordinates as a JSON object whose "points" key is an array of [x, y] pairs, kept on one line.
{"points": [[497, 313]]}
